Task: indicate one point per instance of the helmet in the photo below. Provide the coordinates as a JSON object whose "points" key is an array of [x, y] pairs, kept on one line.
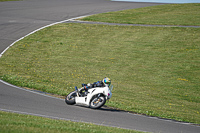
{"points": [[107, 81]]}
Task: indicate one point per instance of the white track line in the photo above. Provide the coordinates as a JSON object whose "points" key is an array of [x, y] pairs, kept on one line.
{"points": [[40, 29], [23, 38], [59, 118], [32, 91]]}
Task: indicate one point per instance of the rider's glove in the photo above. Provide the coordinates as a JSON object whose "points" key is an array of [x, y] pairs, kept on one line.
{"points": [[86, 88]]}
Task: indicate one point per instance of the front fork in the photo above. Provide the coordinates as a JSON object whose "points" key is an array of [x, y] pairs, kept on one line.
{"points": [[98, 98]]}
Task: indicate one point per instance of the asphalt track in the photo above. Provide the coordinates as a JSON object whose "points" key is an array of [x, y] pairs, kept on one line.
{"points": [[20, 18]]}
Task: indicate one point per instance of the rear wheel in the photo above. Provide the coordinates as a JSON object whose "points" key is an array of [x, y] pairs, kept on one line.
{"points": [[97, 102], [70, 98]]}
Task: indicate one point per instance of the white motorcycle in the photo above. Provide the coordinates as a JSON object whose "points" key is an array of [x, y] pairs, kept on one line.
{"points": [[94, 97]]}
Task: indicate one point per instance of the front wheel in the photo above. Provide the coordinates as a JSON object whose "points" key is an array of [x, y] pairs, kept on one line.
{"points": [[70, 98], [97, 102]]}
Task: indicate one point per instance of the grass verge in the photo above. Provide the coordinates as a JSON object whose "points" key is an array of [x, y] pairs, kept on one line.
{"points": [[155, 70], [18, 123], [169, 14]]}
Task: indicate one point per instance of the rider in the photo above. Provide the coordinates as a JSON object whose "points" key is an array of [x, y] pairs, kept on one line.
{"points": [[105, 82]]}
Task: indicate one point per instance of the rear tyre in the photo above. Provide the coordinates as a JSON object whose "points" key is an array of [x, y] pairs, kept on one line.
{"points": [[70, 98], [97, 102]]}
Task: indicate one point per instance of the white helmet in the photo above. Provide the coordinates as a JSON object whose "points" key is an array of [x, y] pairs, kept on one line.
{"points": [[107, 81]]}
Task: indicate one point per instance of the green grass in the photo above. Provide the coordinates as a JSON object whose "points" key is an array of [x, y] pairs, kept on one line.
{"points": [[169, 14], [154, 70], [18, 123]]}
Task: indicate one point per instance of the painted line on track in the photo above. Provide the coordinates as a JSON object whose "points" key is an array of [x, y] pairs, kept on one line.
{"points": [[78, 21], [65, 119], [38, 30], [32, 91]]}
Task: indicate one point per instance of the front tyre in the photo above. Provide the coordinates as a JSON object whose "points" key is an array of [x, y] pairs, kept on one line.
{"points": [[70, 98], [97, 102]]}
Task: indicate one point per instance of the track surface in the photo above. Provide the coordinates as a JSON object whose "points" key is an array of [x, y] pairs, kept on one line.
{"points": [[22, 17]]}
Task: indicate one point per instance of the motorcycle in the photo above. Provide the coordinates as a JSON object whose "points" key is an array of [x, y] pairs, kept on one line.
{"points": [[93, 97]]}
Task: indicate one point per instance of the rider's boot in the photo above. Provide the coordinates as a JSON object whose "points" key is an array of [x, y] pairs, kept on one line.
{"points": [[76, 89], [77, 92]]}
